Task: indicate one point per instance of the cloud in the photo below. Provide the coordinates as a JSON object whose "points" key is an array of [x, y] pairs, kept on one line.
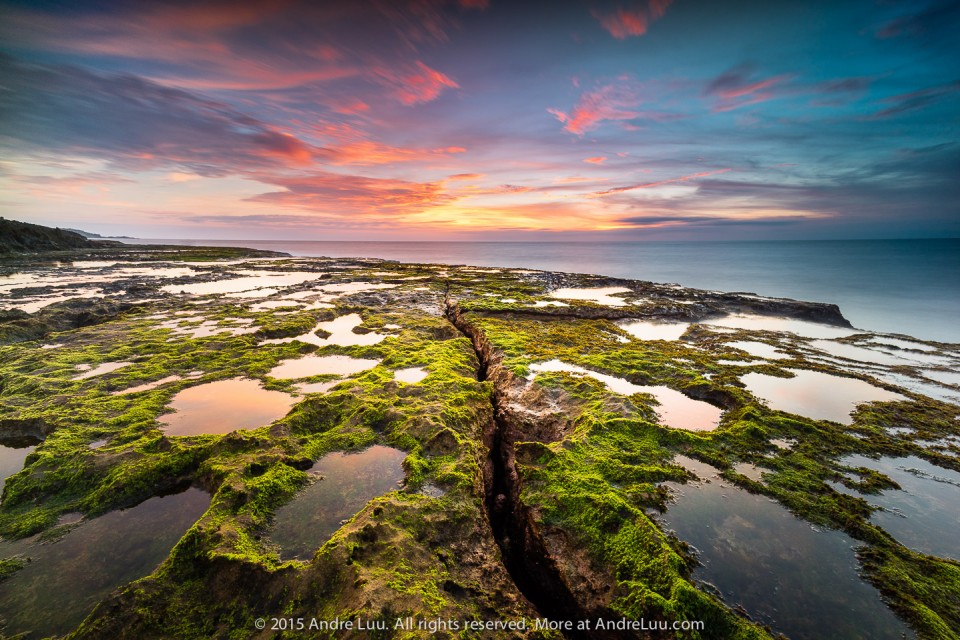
{"points": [[737, 88], [415, 84], [339, 194], [680, 220], [370, 152], [660, 183], [609, 102], [136, 124], [596, 160], [915, 100], [625, 23]]}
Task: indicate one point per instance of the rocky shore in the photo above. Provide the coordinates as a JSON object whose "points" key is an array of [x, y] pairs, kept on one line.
{"points": [[544, 420]]}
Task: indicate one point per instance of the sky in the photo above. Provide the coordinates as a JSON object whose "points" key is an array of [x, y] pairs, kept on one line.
{"points": [[483, 119]]}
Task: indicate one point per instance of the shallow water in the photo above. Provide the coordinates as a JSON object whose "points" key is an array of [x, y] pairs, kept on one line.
{"points": [[11, 460], [147, 386], [759, 349], [800, 580], [815, 395], [65, 579], [244, 284], [341, 332], [101, 369], [771, 323], [675, 409], [316, 387], [349, 481], [411, 375], [854, 352], [925, 514], [600, 295], [318, 365], [224, 406], [355, 287], [647, 330]]}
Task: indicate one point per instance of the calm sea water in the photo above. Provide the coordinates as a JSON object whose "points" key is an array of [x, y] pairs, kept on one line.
{"points": [[897, 286]]}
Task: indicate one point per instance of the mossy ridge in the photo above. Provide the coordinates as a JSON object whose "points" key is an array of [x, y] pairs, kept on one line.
{"points": [[571, 481]]}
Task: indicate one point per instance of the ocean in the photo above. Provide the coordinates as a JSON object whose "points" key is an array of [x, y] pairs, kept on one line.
{"points": [[909, 287]]}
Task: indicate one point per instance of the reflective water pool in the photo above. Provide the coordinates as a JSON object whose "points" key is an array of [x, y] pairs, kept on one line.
{"points": [[799, 579], [348, 481], [224, 406]]}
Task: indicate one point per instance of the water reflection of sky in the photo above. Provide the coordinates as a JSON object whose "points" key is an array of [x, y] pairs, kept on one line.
{"points": [[800, 580], [348, 481], [65, 579]]}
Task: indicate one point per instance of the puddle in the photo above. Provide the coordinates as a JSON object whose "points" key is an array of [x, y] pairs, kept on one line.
{"points": [[349, 481], [341, 332], [853, 352], [411, 375], [903, 344], [675, 409], [647, 330], [147, 386], [316, 387], [600, 295], [99, 370], [224, 406], [918, 385], [750, 471], [38, 304], [798, 579], [816, 395], [770, 323], [207, 328], [785, 444], [355, 287], [318, 365], [66, 579], [759, 350], [96, 444], [255, 293], [245, 284], [275, 304], [12, 458], [944, 377], [925, 515], [549, 303]]}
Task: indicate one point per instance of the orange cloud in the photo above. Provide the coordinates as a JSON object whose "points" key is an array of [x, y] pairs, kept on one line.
{"points": [[369, 152], [596, 160], [352, 194]]}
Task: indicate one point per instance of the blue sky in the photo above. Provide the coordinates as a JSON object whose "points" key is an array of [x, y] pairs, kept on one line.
{"points": [[479, 119]]}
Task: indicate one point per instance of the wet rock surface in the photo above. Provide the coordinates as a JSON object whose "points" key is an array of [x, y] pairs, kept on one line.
{"points": [[527, 491]]}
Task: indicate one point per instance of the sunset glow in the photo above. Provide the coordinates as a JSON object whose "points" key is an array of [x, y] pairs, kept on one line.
{"points": [[441, 119]]}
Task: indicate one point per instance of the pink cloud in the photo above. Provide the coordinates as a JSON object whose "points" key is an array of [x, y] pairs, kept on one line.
{"points": [[415, 85], [596, 159], [607, 102], [735, 88], [626, 23]]}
